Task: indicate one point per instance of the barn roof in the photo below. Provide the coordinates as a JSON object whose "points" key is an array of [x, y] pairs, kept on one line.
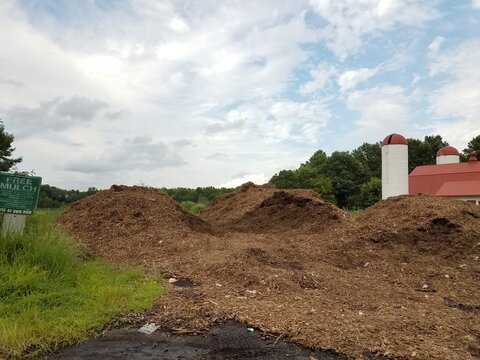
{"points": [[461, 179], [465, 167], [460, 188]]}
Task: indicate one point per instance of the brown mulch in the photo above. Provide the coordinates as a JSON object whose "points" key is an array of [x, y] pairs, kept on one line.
{"points": [[232, 206], [401, 280]]}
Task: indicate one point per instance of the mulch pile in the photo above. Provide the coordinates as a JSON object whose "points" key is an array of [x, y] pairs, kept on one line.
{"points": [[230, 207], [400, 281], [130, 224], [264, 209]]}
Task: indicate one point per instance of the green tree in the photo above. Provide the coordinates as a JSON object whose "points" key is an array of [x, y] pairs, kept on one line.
{"points": [[317, 161], [473, 145], [346, 174], [285, 179], [370, 192], [6, 150], [323, 186], [370, 155], [305, 176], [424, 152]]}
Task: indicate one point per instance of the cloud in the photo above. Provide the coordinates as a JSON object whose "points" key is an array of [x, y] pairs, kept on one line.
{"points": [[10, 82], [416, 78], [242, 178], [78, 108], [218, 156], [351, 78], [297, 121], [320, 77], [383, 110], [280, 121], [350, 21], [459, 96], [476, 4], [53, 115], [250, 85], [182, 143], [436, 43], [137, 153], [231, 124], [456, 102]]}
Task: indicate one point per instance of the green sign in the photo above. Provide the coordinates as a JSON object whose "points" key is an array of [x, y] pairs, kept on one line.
{"points": [[18, 193]]}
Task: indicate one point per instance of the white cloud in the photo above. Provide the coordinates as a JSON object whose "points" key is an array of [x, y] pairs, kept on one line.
{"points": [[179, 25], [320, 77], [476, 4], [258, 179], [350, 21], [382, 109], [138, 153], [351, 78], [223, 76], [436, 43], [53, 115], [416, 78], [302, 122], [455, 105], [274, 121], [10, 82]]}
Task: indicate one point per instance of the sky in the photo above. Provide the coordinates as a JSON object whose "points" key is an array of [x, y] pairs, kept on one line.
{"points": [[191, 93]]}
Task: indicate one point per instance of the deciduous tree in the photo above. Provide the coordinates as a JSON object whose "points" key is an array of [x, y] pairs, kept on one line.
{"points": [[473, 145], [6, 150], [370, 155]]}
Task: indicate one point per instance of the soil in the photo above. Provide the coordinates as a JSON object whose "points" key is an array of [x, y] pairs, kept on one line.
{"points": [[400, 281], [223, 341]]}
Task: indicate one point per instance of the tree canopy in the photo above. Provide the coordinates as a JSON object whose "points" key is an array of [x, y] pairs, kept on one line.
{"points": [[473, 145], [6, 150], [424, 152]]}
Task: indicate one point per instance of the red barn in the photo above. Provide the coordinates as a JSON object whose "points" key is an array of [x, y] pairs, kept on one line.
{"points": [[456, 180]]}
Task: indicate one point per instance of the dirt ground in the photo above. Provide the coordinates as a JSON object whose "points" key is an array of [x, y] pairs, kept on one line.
{"points": [[401, 281]]}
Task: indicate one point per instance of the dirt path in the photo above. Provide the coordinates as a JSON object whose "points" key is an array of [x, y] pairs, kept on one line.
{"points": [[227, 341]]}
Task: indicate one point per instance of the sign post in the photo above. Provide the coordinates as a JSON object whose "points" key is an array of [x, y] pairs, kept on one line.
{"points": [[18, 198]]}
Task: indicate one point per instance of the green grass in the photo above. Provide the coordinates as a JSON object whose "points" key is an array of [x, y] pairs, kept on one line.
{"points": [[354, 213], [49, 296], [192, 207]]}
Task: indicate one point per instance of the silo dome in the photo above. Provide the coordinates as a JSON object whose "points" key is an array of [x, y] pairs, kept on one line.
{"points": [[394, 166], [394, 139], [448, 155]]}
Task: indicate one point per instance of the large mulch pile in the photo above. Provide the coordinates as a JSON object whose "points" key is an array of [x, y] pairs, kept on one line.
{"points": [[131, 225], [400, 282], [230, 207], [264, 209]]}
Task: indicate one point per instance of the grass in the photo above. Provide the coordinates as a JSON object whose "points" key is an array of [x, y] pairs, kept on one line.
{"points": [[354, 213], [49, 296], [192, 207]]}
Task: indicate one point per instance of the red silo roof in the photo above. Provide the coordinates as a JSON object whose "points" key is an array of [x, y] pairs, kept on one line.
{"points": [[394, 139], [447, 150]]}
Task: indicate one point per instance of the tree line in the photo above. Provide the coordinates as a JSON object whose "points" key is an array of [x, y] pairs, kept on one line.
{"points": [[352, 179], [52, 197], [192, 199]]}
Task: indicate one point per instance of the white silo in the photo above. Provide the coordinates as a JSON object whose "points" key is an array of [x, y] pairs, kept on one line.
{"points": [[394, 166], [448, 155]]}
